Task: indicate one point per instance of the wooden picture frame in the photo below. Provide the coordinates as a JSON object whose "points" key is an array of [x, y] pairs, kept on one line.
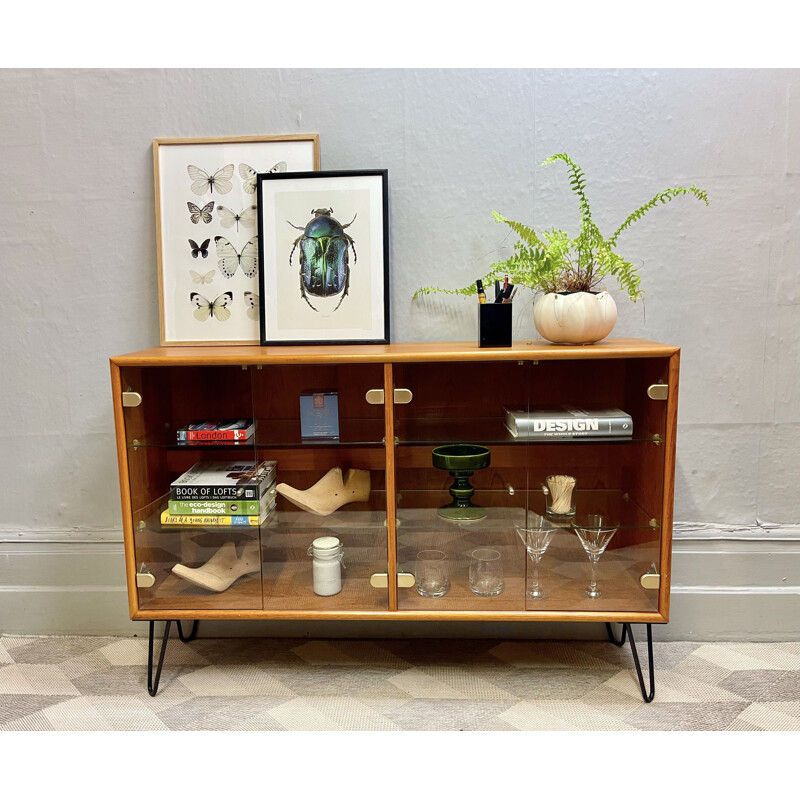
{"points": [[205, 199], [323, 244]]}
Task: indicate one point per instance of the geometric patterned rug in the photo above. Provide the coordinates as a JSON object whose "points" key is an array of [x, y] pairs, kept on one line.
{"points": [[85, 683]]}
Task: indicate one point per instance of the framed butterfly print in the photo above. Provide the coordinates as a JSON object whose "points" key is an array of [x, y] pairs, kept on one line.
{"points": [[206, 231], [323, 242]]}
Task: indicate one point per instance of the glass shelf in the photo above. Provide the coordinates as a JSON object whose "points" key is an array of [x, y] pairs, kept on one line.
{"points": [[370, 515], [344, 519], [492, 430], [274, 434], [416, 510]]}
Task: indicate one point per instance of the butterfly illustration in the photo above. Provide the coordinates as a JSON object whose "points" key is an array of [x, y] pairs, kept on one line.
{"points": [[230, 258], [247, 217], [202, 182], [199, 249], [198, 278], [212, 308], [251, 301], [249, 175], [196, 213]]}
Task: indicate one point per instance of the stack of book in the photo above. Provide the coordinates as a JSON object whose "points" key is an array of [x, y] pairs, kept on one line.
{"points": [[225, 431], [214, 494], [567, 422]]}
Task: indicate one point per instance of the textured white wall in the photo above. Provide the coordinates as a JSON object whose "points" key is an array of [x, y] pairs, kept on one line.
{"points": [[77, 240]]}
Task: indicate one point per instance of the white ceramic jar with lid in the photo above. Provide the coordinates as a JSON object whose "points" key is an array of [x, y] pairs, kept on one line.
{"points": [[327, 565]]}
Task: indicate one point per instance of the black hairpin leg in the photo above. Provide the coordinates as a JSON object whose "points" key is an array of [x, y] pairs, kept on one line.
{"points": [[192, 633], [612, 638], [627, 631], [152, 684]]}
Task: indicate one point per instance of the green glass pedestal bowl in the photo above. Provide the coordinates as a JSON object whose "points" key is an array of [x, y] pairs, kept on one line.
{"points": [[461, 461]]}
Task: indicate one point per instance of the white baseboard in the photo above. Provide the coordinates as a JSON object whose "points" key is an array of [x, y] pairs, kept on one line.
{"points": [[723, 589]]}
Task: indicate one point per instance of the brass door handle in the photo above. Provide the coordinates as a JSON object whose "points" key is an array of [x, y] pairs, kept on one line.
{"points": [[131, 399], [375, 397], [144, 578], [651, 579], [380, 580]]}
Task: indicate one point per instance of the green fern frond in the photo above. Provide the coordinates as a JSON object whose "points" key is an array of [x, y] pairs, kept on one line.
{"points": [[611, 263], [578, 183], [553, 262], [435, 289], [523, 231], [661, 197]]}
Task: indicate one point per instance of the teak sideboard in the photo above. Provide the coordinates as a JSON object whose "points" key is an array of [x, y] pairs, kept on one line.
{"points": [[396, 403]]}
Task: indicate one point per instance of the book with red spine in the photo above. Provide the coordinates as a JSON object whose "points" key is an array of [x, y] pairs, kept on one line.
{"points": [[226, 430]]}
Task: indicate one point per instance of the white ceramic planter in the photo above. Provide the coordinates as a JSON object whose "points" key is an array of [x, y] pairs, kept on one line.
{"points": [[577, 318]]}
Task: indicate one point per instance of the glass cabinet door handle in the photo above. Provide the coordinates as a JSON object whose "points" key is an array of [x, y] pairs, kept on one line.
{"points": [[651, 579], [380, 580], [131, 399], [375, 397], [144, 578]]}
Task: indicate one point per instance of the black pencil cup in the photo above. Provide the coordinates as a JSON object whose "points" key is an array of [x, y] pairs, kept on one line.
{"points": [[494, 323]]}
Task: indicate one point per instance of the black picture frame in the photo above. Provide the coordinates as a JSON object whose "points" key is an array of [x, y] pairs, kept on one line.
{"points": [[323, 250]]}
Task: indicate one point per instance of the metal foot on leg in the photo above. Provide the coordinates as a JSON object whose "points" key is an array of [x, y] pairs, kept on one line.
{"points": [[627, 632]]}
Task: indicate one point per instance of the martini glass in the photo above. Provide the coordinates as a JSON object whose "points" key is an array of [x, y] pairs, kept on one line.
{"points": [[595, 532], [536, 535]]}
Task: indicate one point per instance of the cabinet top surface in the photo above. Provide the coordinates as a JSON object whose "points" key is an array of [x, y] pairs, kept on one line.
{"points": [[536, 349]]}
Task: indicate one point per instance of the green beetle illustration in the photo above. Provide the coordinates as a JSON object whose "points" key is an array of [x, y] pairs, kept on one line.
{"points": [[324, 259]]}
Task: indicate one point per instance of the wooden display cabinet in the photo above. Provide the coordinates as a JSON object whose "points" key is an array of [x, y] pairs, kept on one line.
{"points": [[443, 393]]}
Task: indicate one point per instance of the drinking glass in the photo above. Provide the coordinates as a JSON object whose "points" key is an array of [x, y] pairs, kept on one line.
{"points": [[486, 572], [595, 532], [431, 575], [536, 536]]}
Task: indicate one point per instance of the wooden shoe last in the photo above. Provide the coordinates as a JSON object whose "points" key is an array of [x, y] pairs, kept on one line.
{"points": [[223, 568], [330, 492]]}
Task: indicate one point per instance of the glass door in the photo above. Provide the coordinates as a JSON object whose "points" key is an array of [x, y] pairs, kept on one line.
{"points": [[478, 522], [327, 536], [196, 496], [462, 485]]}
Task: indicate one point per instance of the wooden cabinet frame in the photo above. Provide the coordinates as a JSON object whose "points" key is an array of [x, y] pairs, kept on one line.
{"points": [[391, 358]]}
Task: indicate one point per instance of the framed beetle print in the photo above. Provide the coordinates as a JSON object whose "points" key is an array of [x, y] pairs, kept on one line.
{"points": [[207, 242], [323, 244]]}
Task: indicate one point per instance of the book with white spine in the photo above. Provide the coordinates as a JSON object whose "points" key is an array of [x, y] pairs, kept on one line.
{"points": [[569, 422], [232, 480]]}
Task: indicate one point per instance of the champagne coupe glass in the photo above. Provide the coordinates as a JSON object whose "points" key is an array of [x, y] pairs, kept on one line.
{"points": [[536, 535], [595, 532]]}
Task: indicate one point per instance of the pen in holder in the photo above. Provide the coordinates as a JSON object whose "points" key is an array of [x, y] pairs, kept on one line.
{"points": [[494, 321]]}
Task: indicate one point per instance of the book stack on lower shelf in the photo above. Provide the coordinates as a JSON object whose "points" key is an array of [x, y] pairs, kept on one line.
{"points": [[219, 494]]}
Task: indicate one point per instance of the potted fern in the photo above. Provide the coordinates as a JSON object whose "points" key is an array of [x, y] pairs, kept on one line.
{"points": [[570, 272]]}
